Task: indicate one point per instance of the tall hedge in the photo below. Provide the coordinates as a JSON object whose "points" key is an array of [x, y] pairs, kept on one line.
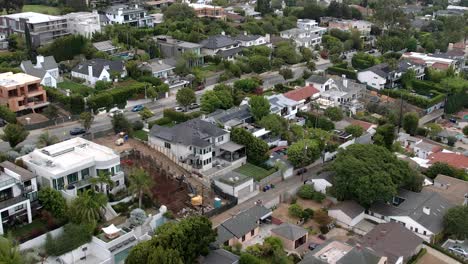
{"points": [[73, 103], [118, 96], [351, 74]]}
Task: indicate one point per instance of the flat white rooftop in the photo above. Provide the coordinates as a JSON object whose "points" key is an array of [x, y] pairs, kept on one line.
{"points": [[428, 58], [9, 79], [63, 156], [34, 17]]}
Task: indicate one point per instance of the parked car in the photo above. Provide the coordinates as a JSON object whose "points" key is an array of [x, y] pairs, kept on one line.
{"points": [[301, 171], [459, 251], [115, 111], [77, 131], [312, 246], [2, 122], [321, 236], [194, 106], [179, 109], [137, 108]]}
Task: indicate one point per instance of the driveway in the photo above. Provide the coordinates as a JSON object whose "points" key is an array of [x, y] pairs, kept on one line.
{"points": [[433, 256]]}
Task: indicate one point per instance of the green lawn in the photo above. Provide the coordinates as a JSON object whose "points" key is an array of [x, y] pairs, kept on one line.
{"points": [[75, 88], [140, 134], [36, 224], [50, 10], [256, 172]]}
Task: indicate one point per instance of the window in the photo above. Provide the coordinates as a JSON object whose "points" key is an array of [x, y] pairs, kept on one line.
{"points": [[118, 168], [99, 171], [117, 183], [6, 194], [58, 183], [424, 232], [221, 138], [112, 171], [167, 145], [416, 229], [252, 232], [72, 178], [243, 238], [84, 173], [19, 207]]}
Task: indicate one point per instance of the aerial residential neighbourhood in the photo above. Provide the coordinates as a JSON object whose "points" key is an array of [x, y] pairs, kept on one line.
{"points": [[234, 131]]}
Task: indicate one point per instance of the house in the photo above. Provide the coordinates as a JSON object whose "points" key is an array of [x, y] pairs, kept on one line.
{"points": [[18, 192], [306, 34], [242, 227], [421, 212], [347, 213], [292, 236], [20, 91], [220, 256], [381, 76], [69, 165], [43, 28], [221, 45], [279, 155], [283, 106], [394, 241], [322, 181], [234, 18], [303, 96], [453, 189], [236, 184], [3, 41], [445, 134], [230, 118], [197, 143], [252, 40], [159, 3], [366, 126], [159, 68], [105, 46], [46, 68], [132, 15], [174, 48], [83, 23], [209, 11], [421, 148], [454, 159], [337, 91], [363, 26], [99, 70], [429, 60], [337, 252]]}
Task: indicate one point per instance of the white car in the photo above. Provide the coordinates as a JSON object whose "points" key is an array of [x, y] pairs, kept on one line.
{"points": [[115, 111], [179, 109], [459, 251]]}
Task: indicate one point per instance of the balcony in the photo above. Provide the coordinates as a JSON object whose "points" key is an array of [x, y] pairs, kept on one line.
{"points": [[12, 201]]}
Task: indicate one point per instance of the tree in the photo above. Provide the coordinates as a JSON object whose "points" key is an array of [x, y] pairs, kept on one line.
{"points": [[257, 149], [102, 85], [14, 134], [445, 169], [259, 107], [185, 97], [259, 63], [45, 139], [322, 218], [286, 73], [434, 129], [246, 85], [334, 113], [275, 123], [140, 183], [370, 173], [51, 112], [53, 202], [410, 123], [164, 256], [145, 114], [307, 191], [9, 252], [264, 7], [7, 115], [86, 208], [103, 178], [465, 130], [121, 124], [303, 152], [179, 12], [152, 93], [407, 79], [385, 135], [354, 130], [216, 99], [455, 222], [189, 237], [86, 120], [295, 210]]}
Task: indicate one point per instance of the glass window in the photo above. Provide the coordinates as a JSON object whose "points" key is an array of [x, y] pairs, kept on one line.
{"points": [[84, 173], [118, 168], [98, 171], [72, 178], [112, 171], [60, 183], [167, 145]]}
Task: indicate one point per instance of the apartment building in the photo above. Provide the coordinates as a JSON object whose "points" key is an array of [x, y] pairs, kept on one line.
{"points": [[83, 23], [43, 28], [68, 166], [18, 189], [132, 15], [20, 91]]}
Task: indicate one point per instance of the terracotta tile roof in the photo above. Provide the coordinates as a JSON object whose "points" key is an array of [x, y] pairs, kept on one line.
{"points": [[301, 93], [365, 125], [456, 160], [440, 66], [278, 148]]}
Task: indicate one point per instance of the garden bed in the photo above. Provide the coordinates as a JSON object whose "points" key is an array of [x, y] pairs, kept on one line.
{"points": [[256, 172]]}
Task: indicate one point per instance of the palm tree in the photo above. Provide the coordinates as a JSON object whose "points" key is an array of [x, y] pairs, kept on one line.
{"points": [[140, 183], [9, 253], [45, 139], [88, 205], [103, 178]]}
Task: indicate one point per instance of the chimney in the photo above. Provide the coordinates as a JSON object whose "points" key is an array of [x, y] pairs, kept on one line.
{"points": [[345, 81], [245, 33], [267, 38], [39, 59], [90, 71], [426, 210], [223, 33], [450, 47]]}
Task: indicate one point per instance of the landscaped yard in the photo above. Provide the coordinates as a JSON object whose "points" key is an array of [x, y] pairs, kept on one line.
{"points": [[50, 10], [75, 88], [140, 134], [256, 172]]}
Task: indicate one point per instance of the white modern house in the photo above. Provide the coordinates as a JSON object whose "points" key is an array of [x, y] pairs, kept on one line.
{"points": [[283, 106], [83, 23], [247, 40], [322, 181], [307, 34], [432, 60], [45, 68], [99, 70], [235, 184], [132, 15], [363, 26], [67, 166], [18, 189]]}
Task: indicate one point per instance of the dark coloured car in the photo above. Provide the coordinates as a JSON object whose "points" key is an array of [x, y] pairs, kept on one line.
{"points": [[321, 236], [77, 131], [137, 108], [2, 122], [312, 246]]}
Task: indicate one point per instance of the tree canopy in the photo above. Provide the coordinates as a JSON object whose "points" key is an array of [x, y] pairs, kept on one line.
{"points": [[303, 152], [257, 149], [455, 222], [410, 123], [370, 173], [259, 107]]}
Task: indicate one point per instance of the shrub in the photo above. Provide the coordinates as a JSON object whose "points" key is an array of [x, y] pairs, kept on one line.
{"points": [[340, 71], [307, 191], [138, 125], [72, 237], [160, 122], [295, 210], [308, 213], [7, 115]]}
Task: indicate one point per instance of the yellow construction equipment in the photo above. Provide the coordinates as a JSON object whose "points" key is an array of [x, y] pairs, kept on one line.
{"points": [[197, 200]]}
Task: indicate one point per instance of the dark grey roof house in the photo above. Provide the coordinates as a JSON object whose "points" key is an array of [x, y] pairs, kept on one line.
{"points": [[231, 117], [220, 256], [45, 67], [98, 70], [221, 45]]}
